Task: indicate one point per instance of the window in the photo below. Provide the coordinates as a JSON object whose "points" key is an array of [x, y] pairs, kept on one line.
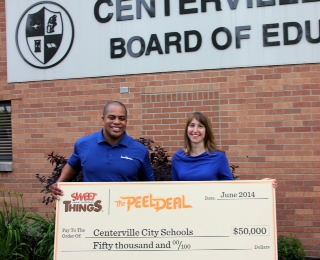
{"points": [[5, 137]]}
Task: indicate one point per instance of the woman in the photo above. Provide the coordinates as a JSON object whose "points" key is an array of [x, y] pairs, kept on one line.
{"points": [[201, 159]]}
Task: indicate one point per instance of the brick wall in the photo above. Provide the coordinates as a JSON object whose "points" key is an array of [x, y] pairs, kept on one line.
{"points": [[267, 119]]}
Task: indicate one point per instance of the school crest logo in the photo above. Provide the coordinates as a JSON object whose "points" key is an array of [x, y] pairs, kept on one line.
{"points": [[44, 34]]}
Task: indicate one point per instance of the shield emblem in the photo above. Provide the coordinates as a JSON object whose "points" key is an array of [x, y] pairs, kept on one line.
{"points": [[44, 30]]}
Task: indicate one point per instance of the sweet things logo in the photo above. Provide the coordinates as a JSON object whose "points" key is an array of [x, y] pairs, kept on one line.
{"points": [[83, 202], [44, 34]]}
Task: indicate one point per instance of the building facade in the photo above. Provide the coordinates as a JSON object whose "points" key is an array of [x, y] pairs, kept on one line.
{"points": [[266, 118]]}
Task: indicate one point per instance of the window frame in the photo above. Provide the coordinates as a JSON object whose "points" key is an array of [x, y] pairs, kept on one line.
{"points": [[6, 155]]}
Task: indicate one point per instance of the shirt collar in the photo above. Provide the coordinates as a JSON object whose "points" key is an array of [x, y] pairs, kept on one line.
{"points": [[124, 141]]}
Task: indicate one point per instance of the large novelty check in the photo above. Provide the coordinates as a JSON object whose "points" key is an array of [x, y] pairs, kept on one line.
{"points": [[166, 220]]}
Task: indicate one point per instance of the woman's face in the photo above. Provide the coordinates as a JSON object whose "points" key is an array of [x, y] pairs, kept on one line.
{"points": [[196, 131]]}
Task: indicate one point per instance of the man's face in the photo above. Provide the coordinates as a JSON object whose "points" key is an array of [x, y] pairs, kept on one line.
{"points": [[114, 124]]}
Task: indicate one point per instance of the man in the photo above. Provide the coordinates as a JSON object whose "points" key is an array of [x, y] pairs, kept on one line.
{"points": [[109, 155]]}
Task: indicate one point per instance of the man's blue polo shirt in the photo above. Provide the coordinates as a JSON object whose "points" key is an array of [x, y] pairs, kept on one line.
{"points": [[101, 162]]}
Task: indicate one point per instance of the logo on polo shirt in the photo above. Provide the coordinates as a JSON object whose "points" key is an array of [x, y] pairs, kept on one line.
{"points": [[126, 157], [44, 34], [83, 202]]}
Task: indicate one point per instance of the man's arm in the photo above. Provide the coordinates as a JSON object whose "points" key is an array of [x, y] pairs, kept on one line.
{"points": [[147, 171], [67, 174]]}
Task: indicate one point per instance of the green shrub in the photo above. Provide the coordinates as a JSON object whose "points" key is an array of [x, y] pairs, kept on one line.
{"points": [[290, 248], [23, 235], [43, 230], [13, 227]]}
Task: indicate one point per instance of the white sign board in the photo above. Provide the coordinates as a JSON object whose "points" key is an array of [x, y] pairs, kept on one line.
{"points": [[65, 39], [172, 220]]}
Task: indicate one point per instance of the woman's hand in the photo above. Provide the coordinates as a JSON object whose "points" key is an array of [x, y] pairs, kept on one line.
{"points": [[274, 182]]}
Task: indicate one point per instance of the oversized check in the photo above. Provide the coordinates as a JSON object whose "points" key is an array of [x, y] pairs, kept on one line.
{"points": [[166, 220]]}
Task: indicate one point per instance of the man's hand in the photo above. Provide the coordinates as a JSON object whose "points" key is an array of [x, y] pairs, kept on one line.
{"points": [[55, 191]]}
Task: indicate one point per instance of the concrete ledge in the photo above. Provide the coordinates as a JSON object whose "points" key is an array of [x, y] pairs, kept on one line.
{"points": [[5, 166]]}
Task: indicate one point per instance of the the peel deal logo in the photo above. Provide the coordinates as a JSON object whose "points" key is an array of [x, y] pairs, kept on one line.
{"points": [[83, 202], [149, 201]]}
